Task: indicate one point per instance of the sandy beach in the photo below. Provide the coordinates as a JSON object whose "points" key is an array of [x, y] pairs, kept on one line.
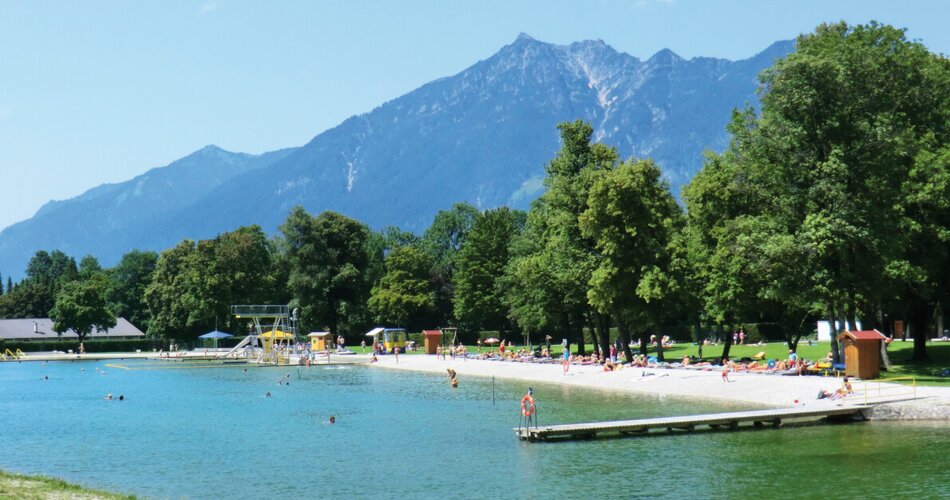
{"points": [[756, 389]]}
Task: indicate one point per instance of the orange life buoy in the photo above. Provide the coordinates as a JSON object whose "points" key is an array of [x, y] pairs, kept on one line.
{"points": [[527, 405]]}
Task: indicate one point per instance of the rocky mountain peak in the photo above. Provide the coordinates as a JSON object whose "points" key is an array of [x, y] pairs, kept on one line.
{"points": [[481, 136], [664, 57]]}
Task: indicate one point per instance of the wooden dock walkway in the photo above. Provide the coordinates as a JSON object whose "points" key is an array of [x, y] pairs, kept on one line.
{"points": [[729, 420]]}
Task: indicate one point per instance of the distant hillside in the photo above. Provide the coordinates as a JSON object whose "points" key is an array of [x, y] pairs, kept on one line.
{"points": [[482, 136]]}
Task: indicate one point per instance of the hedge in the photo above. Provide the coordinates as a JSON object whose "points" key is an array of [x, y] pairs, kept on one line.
{"points": [[90, 345]]}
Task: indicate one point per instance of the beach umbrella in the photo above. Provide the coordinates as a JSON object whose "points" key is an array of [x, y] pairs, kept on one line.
{"points": [[491, 340], [215, 334]]}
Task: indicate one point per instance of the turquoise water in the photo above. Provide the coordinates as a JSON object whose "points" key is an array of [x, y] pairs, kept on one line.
{"points": [[187, 431]]}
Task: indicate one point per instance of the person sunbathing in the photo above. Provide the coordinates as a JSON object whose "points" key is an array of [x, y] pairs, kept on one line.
{"points": [[842, 391]]}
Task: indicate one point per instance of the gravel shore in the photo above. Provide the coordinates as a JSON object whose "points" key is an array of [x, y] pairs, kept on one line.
{"points": [[891, 401]]}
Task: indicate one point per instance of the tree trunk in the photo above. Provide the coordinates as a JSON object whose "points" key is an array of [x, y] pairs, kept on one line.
{"points": [[644, 341], [835, 353], [885, 359], [577, 328], [728, 343], [852, 308], [919, 324], [593, 334], [603, 331], [698, 335], [624, 335], [791, 337]]}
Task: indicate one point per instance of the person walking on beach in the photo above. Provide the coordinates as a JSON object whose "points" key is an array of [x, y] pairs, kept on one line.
{"points": [[725, 370], [396, 354], [566, 356]]}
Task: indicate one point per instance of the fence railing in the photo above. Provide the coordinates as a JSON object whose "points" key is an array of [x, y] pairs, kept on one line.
{"points": [[885, 389]]}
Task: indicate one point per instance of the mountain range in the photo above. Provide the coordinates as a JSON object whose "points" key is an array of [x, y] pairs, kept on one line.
{"points": [[482, 136]]}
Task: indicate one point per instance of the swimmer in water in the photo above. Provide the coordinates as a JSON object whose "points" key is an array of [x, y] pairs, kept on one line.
{"points": [[332, 419], [267, 395], [108, 397]]}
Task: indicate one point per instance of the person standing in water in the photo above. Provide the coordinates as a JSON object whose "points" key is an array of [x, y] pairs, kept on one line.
{"points": [[566, 356]]}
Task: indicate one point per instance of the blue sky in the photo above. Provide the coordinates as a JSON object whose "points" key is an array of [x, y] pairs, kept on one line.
{"points": [[101, 91]]}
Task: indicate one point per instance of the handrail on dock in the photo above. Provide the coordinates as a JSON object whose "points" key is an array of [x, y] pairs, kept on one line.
{"points": [[883, 392]]}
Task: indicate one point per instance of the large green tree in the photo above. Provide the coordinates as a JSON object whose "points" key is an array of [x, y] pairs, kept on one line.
{"points": [[194, 284], [168, 295], [405, 294], [843, 120], [632, 218], [328, 262], [479, 292], [127, 283], [442, 241], [82, 306], [551, 266]]}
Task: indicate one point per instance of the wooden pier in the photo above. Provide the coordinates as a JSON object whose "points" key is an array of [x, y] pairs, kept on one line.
{"points": [[730, 420]]}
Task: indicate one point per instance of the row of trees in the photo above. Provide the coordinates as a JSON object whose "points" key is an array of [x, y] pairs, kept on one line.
{"points": [[831, 202], [84, 296]]}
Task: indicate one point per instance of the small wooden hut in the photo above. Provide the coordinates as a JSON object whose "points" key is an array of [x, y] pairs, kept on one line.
{"points": [[862, 353], [319, 341], [433, 339]]}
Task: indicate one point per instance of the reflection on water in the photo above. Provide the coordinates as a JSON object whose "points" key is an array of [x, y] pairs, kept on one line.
{"points": [[187, 430]]}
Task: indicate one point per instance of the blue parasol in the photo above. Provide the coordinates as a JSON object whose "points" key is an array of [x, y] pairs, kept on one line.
{"points": [[215, 335]]}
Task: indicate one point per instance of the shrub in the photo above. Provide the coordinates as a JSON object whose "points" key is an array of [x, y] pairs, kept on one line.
{"points": [[90, 345]]}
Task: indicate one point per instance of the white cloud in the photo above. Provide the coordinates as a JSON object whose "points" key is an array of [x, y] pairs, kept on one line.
{"points": [[208, 8]]}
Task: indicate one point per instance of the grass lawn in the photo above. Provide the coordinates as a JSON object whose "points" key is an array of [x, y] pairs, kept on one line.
{"points": [[36, 487], [926, 373]]}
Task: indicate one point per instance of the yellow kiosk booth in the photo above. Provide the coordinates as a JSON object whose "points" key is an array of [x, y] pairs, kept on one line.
{"points": [[269, 338], [319, 341], [389, 338]]}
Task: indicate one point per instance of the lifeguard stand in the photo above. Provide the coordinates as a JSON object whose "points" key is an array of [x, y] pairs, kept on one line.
{"points": [[281, 329]]}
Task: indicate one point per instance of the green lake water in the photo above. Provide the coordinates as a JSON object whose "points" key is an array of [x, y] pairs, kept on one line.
{"points": [[193, 432]]}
